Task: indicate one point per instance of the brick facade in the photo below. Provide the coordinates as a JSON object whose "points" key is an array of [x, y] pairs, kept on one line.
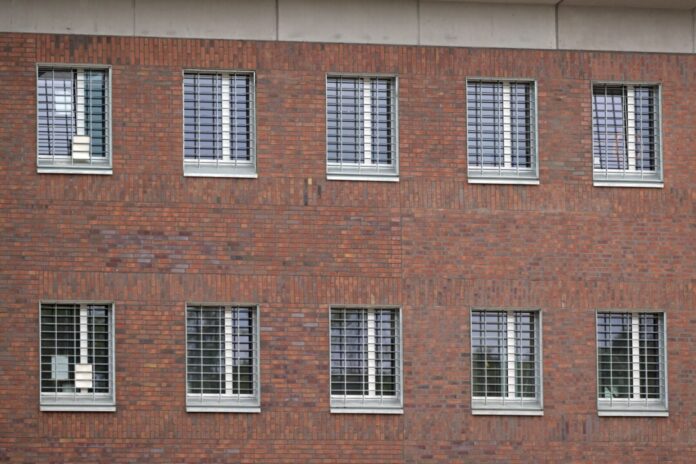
{"points": [[293, 242]]}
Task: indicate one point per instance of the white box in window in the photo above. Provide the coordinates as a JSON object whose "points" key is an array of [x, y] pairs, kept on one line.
{"points": [[60, 368], [83, 376], [80, 147]]}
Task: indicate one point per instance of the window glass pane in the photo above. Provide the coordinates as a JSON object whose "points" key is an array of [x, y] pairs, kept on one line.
{"points": [[365, 353], [95, 111], [650, 364], [614, 338], [203, 102], [56, 112], [645, 116], [361, 131], [630, 355], [505, 356], [521, 124], [624, 129], [345, 120], [525, 355], [72, 102], [489, 343], [220, 350], [76, 350], [218, 117], [609, 128], [500, 124]]}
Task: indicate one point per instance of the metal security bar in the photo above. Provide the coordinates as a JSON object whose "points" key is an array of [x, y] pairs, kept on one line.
{"points": [[361, 125], [365, 358], [630, 360], [625, 132], [222, 356], [506, 359], [73, 108], [501, 129], [219, 123], [76, 354]]}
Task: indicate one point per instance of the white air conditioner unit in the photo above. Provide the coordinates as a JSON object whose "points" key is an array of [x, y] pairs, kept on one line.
{"points": [[83, 376], [80, 147]]}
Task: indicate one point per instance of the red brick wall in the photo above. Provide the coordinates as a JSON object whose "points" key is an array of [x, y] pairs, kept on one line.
{"points": [[150, 239]]}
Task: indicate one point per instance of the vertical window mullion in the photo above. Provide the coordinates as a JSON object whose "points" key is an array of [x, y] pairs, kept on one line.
{"points": [[84, 340], [236, 353], [80, 103], [511, 340], [635, 357], [52, 130], [367, 121], [507, 126], [228, 343], [339, 117], [479, 121], [371, 353], [630, 115], [55, 335], [225, 119]]}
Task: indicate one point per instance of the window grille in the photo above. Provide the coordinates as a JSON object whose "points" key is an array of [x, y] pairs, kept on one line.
{"points": [[625, 133], [219, 136], [501, 131], [365, 359], [222, 351], [77, 356], [631, 362], [73, 112], [361, 127], [506, 366]]}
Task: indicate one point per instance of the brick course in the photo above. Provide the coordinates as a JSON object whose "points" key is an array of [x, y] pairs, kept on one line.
{"points": [[293, 242]]}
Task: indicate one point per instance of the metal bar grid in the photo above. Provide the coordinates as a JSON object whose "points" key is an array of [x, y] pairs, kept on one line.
{"points": [[361, 125], [501, 128], [219, 115], [77, 357], [365, 357], [626, 132], [506, 358], [630, 359], [222, 354], [70, 102]]}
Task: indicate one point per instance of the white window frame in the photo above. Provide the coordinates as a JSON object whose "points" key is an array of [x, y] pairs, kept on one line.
{"points": [[226, 167], [232, 402], [506, 174], [511, 405], [370, 403], [78, 401], [631, 177], [70, 165], [636, 407], [365, 171]]}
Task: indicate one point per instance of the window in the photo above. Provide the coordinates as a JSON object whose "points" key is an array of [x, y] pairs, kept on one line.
{"points": [[74, 120], [366, 360], [222, 353], [361, 130], [626, 135], [501, 132], [506, 362], [219, 138], [631, 363], [77, 357]]}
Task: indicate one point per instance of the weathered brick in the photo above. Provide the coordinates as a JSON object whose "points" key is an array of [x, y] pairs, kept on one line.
{"points": [[150, 240]]}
